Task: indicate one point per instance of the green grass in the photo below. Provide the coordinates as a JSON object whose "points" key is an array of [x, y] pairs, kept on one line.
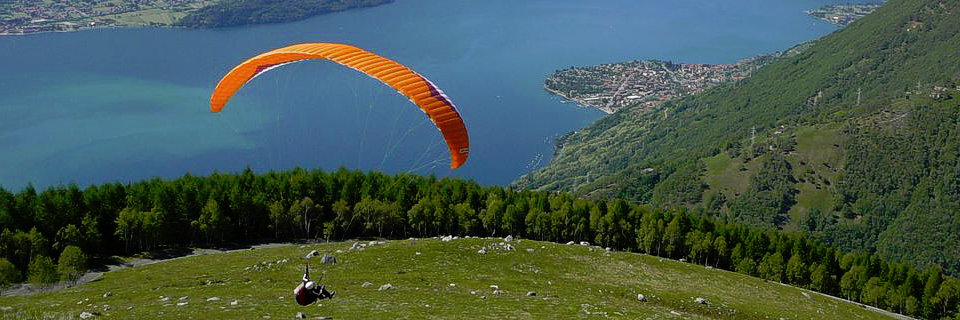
{"points": [[148, 17], [817, 164], [569, 281], [728, 175]]}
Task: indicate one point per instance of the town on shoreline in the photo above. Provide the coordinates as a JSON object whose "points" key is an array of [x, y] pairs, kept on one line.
{"points": [[614, 87], [27, 17]]}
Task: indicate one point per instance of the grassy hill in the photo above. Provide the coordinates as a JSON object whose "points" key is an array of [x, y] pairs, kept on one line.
{"points": [[435, 279], [850, 140]]}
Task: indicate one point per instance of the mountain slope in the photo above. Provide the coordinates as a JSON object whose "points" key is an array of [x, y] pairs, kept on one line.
{"points": [[768, 127], [436, 279]]}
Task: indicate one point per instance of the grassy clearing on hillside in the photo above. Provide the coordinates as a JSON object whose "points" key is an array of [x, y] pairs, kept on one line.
{"points": [[148, 17], [727, 175], [817, 163], [446, 280]]}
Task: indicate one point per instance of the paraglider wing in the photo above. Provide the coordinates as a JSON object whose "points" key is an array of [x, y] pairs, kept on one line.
{"points": [[423, 93]]}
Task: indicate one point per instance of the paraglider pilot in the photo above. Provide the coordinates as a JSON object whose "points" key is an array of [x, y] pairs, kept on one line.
{"points": [[309, 292]]}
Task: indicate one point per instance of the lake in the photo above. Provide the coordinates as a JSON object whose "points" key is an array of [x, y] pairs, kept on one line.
{"points": [[127, 104]]}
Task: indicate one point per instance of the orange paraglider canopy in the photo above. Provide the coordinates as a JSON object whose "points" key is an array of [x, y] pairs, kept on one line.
{"points": [[415, 87]]}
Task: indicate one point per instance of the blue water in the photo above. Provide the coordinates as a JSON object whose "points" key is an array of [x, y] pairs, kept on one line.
{"points": [[127, 104]]}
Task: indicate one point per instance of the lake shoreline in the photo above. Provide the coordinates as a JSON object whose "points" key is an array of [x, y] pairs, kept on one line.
{"points": [[192, 14], [579, 102]]}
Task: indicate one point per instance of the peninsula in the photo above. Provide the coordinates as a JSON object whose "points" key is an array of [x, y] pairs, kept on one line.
{"points": [[613, 87], [843, 14], [26, 17]]}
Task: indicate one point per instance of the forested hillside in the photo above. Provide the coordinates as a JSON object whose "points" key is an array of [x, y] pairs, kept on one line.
{"points": [[244, 12], [852, 139], [224, 209]]}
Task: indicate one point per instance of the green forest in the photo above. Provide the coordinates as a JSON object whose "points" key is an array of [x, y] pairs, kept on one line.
{"points": [[245, 12], [66, 223], [881, 94]]}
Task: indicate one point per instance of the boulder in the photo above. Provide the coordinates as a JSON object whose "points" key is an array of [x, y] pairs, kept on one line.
{"points": [[385, 287], [508, 247], [482, 250], [213, 299], [497, 292], [180, 304], [184, 298], [234, 302], [107, 294], [570, 243], [366, 285], [641, 297], [446, 238], [416, 253], [312, 254], [532, 294], [87, 315], [301, 315], [701, 300], [355, 246], [508, 238], [328, 260], [584, 243]]}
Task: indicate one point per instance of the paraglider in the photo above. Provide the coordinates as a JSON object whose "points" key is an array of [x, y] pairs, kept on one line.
{"points": [[309, 292], [423, 93]]}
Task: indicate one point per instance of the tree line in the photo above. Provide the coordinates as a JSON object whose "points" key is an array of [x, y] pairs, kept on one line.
{"points": [[224, 209]]}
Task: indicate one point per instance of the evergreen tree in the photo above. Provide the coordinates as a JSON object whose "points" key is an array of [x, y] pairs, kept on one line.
{"points": [[930, 289], [797, 271], [674, 236], [771, 267], [820, 279], [8, 273], [42, 271], [850, 282], [747, 266], [72, 264]]}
